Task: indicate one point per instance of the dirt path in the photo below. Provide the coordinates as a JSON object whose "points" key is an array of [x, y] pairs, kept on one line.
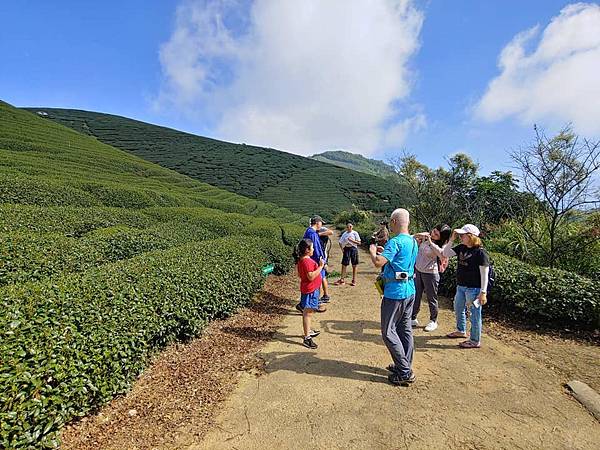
{"points": [[338, 395]]}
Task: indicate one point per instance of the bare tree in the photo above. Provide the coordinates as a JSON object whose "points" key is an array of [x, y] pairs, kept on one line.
{"points": [[561, 172]]}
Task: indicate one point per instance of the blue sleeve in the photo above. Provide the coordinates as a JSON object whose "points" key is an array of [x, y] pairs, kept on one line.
{"points": [[318, 250], [390, 250]]}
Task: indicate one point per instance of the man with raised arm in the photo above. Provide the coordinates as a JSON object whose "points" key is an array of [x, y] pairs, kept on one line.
{"points": [[398, 259]]}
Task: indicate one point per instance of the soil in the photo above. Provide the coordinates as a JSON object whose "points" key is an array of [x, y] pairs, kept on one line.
{"points": [[215, 392]]}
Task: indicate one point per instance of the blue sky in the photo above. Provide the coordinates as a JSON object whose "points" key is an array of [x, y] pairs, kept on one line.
{"points": [[174, 64]]}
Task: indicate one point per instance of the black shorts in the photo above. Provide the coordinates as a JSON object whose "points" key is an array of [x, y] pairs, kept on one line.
{"points": [[350, 256]]}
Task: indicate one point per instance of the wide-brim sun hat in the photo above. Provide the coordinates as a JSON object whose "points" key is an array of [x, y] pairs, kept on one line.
{"points": [[468, 228]]}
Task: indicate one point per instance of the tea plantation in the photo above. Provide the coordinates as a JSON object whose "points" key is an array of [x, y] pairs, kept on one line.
{"points": [[300, 184], [104, 259]]}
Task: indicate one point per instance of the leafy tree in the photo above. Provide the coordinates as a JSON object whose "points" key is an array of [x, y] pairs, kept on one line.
{"points": [[457, 194], [561, 172]]}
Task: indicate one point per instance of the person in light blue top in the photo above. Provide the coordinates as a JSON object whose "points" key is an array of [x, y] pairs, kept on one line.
{"points": [[398, 259]]}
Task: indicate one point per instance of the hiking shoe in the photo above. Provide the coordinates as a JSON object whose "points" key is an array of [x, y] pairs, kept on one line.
{"points": [[324, 299], [314, 333], [309, 343], [431, 326], [299, 307], [392, 368], [396, 379], [414, 323]]}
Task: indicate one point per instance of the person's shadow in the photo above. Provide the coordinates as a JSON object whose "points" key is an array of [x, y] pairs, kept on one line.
{"points": [[354, 330], [309, 363]]}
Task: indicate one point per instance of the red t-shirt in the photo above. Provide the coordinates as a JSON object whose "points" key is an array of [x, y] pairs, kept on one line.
{"points": [[306, 265]]}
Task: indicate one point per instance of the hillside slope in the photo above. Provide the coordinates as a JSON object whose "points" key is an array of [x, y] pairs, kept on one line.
{"points": [[300, 184], [355, 162], [105, 258]]}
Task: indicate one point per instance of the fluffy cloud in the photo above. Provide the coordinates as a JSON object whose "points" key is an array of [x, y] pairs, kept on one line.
{"points": [[303, 76], [558, 81]]}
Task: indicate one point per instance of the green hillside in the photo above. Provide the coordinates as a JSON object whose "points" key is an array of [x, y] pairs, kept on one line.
{"points": [[104, 259], [300, 184], [355, 162]]}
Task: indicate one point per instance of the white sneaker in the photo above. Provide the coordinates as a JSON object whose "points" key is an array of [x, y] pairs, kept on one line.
{"points": [[431, 326], [414, 323]]}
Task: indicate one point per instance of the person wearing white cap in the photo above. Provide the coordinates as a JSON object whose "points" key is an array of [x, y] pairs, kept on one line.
{"points": [[472, 275]]}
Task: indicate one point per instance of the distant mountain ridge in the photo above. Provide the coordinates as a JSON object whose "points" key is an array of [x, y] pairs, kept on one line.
{"points": [[356, 162], [302, 185]]}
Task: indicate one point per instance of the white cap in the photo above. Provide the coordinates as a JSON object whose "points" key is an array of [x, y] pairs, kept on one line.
{"points": [[468, 228]]}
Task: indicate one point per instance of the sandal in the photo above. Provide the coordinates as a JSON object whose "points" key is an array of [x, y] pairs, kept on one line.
{"points": [[339, 282], [456, 334], [353, 283], [469, 344]]}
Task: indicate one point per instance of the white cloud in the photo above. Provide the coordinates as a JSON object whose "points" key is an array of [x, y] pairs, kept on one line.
{"points": [[558, 81], [302, 76]]}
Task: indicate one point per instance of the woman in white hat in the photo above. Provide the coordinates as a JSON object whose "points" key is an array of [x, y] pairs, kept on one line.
{"points": [[472, 274]]}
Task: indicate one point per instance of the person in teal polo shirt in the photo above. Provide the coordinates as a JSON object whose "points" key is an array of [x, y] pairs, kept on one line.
{"points": [[398, 259]]}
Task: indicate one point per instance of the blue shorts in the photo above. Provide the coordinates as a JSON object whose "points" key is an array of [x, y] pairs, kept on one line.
{"points": [[310, 301]]}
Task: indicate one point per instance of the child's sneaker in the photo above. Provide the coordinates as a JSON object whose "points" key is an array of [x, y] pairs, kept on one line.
{"points": [[314, 333], [309, 343], [414, 323]]}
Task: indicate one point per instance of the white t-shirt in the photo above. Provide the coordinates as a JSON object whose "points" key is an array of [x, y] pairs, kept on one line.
{"points": [[344, 242]]}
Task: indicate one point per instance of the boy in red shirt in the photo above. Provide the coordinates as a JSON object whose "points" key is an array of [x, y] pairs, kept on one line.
{"points": [[310, 282]]}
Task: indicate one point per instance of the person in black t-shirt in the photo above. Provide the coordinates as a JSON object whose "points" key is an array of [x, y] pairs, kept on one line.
{"points": [[472, 274]]}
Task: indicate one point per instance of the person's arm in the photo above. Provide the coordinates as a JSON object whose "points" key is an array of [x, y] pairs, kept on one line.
{"points": [[484, 273], [318, 250], [447, 250], [437, 250], [355, 241], [315, 273], [377, 260], [327, 232]]}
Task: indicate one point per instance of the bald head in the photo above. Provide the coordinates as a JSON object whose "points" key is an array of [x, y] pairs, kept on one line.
{"points": [[400, 220]]}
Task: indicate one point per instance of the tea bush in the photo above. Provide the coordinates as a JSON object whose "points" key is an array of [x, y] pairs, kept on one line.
{"points": [[552, 296], [71, 344], [104, 259]]}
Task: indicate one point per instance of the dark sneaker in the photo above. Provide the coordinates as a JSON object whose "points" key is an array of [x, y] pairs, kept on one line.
{"points": [[396, 379], [314, 333], [324, 299], [392, 368], [299, 307], [309, 343]]}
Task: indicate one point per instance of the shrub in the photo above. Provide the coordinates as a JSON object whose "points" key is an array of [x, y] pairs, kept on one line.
{"points": [[67, 220], [71, 344], [549, 295]]}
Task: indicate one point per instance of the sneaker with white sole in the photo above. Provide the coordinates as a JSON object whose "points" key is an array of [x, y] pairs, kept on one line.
{"points": [[414, 323], [431, 326]]}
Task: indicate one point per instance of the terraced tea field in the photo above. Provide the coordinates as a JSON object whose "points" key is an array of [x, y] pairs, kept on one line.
{"points": [[105, 258], [300, 184]]}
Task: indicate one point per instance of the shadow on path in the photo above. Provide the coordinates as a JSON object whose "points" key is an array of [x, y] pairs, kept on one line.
{"points": [[309, 363], [355, 330]]}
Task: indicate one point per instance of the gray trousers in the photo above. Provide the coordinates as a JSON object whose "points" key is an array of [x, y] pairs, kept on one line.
{"points": [[396, 332], [427, 283]]}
